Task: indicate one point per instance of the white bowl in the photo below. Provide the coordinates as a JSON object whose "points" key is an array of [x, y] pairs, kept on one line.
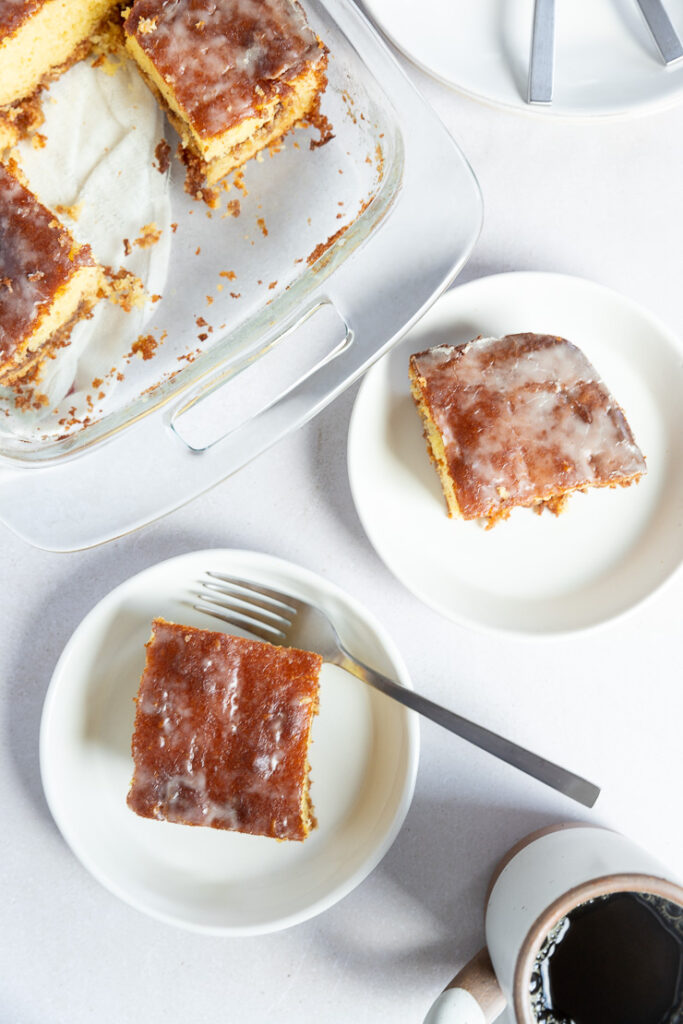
{"points": [[363, 764]]}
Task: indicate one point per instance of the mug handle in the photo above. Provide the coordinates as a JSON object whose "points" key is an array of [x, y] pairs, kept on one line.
{"points": [[473, 997]]}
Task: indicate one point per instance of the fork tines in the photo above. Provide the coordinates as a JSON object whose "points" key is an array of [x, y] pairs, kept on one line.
{"points": [[240, 603]]}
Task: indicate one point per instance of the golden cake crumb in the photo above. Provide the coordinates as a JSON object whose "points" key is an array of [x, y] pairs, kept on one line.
{"points": [[149, 236], [147, 26], [73, 212], [125, 289]]}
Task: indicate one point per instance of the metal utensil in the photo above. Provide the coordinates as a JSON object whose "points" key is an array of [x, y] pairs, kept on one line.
{"points": [[542, 53], [665, 36], [282, 619]]}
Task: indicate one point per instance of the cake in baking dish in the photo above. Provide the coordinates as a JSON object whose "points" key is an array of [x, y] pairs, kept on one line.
{"points": [[40, 38], [519, 420], [222, 732], [47, 281], [234, 75]]}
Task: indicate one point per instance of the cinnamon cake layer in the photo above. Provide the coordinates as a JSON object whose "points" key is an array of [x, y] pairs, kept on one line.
{"points": [[234, 75], [47, 280], [39, 38], [519, 420], [222, 731], [9, 135]]}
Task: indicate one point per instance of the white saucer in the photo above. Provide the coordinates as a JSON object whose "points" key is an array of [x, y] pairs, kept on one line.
{"points": [[606, 61], [363, 764], [531, 574]]}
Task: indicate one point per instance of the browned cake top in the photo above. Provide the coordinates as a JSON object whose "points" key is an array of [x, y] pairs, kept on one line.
{"points": [[14, 12], [221, 731], [223, 58], [523, 418], [37, 255]]}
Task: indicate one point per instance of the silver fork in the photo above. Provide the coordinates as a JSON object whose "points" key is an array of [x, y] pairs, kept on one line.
{"points": [[284, 620]]}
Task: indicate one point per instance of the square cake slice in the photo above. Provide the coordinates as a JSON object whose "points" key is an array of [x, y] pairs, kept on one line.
{"points": [[222, 732], [520, 420], [234, 75], [47, 280], [40, 38]]}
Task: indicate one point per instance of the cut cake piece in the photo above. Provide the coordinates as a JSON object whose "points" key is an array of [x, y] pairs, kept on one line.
{"points": [[41, 38], [222, 732], [519, 420], [47, 280], [234, 75]]}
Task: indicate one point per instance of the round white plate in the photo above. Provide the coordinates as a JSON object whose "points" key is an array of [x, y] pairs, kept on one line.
{"points": [[530, 574], [606, 61], [363, 764]]}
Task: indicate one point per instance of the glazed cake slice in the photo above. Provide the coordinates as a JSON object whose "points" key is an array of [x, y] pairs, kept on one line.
{"points": [[520, 420], [234, 75], [40, 38], [47, 281], [222, 732]]}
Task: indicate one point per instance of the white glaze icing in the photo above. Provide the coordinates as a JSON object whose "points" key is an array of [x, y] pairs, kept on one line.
{"points": [[228, 727], [524, 420], [217, 55]]}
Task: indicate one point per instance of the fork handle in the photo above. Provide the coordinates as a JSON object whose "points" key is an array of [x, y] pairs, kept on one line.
{"points": [[540, 85], [552, 775], [663, 32]]}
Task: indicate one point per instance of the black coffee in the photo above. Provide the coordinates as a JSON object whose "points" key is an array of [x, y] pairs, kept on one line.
{"points": [[617, 959]]}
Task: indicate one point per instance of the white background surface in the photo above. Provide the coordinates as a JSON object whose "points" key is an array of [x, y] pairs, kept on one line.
{"points": [[600, 199]]}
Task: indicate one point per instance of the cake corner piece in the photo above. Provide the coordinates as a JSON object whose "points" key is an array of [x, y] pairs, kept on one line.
{"points": [[276, 72]]}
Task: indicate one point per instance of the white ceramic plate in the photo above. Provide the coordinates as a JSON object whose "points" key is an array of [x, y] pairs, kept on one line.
{"points": [[530, 574], [606, 61], [363, 764]]}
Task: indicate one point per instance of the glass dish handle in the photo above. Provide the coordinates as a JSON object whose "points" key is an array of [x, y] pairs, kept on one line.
{"points": [[172, 455]]}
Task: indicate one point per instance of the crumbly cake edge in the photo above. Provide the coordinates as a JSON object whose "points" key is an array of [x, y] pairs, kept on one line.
{"points": [[280, 115], [432, 435], [24, 359], [307, 813], [285, 114]]}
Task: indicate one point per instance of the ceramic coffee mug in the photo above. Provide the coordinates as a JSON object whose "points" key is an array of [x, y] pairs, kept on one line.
{"points": [[539, 882]]}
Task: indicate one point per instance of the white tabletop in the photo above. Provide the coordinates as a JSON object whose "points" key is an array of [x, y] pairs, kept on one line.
{"points": [[601, 200]]}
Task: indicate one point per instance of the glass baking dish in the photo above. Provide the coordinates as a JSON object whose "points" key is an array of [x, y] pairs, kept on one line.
{"points": [[263, 318]]}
